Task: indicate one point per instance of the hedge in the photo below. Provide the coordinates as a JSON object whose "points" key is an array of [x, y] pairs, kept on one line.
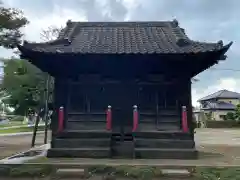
{"points": [[222, 124]]}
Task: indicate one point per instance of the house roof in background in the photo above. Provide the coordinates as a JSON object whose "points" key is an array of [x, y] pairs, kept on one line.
{"points": [[221, 94], [218, 105], [160, 37]]}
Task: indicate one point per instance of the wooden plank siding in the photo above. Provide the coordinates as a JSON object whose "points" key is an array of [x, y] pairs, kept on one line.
{"points": [[157, 102]]}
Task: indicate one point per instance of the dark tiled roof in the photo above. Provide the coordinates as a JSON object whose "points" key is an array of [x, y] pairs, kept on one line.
{"points": [[218, 105], [221, 94], [123, 38]]}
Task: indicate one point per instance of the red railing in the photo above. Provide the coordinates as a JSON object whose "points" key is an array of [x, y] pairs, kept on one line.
{"points": [[184, 119], [109, 118], [135, 118], [60, 119]]}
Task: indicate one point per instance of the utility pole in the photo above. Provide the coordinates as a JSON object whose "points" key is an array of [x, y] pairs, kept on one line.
{"points": [[49, 34], [46, 109]]}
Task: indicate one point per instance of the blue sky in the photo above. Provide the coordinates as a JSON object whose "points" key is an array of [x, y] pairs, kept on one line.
{"points": [[203, 20]]}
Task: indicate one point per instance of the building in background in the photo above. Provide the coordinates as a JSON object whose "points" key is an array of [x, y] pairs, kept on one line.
{"points": [[218, 104]]}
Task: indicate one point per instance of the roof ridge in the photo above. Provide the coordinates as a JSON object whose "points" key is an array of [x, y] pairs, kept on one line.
{"points": [[219, 93], [209, 95], [171, 24], [222, 92]]}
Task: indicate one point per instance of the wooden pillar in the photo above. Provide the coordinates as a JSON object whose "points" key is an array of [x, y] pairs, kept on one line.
{"points": [[60, 99], [189, 107], [186, 100]]}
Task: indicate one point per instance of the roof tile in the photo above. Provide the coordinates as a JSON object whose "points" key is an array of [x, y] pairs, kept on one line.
{"points": [[124, 37]]}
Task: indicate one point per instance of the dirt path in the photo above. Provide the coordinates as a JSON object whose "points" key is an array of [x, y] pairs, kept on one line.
{"points": [[10, 145]]}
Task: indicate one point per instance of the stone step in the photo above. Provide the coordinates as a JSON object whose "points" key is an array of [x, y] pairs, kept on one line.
{"points": [[173, 134], [79, 152], [162, 127], [164, 143], [85, 125], [76, 134], [85, 117], [81, 142], [123, 149], [154, 119], [159, 153]]}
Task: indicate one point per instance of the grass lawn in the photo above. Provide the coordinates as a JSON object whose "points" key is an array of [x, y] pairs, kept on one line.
{"points": [[21, 129], [12, 123], [122, 172], [127, 172]]}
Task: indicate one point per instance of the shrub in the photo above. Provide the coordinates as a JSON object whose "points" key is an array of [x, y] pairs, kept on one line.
{"points": [[222, 124], [17, 118]]}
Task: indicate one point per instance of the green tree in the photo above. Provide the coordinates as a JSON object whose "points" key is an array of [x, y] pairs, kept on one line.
{"points": [[11, 21], [237, 112], [230, 116], [25, 85]]}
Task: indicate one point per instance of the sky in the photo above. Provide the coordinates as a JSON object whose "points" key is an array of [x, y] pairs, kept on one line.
{"points": [[203, 20]]}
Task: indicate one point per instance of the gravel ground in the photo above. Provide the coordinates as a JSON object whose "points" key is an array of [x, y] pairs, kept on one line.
{"points": [[223, 144]]}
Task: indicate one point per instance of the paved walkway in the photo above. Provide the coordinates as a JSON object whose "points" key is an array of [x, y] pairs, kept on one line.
{"points": [[230, 137]]}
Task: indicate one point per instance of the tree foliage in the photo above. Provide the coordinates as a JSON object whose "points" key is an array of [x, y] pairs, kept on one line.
{"points": [[234, 116], [11, 22], [25, 85], [230, 116], [51, 33], [237, 113]]}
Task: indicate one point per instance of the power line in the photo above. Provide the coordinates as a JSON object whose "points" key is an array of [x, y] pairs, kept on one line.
{"points": [[225, 69]]}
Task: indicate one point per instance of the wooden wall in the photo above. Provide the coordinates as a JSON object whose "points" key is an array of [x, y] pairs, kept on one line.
{"points": [[93, 96]]}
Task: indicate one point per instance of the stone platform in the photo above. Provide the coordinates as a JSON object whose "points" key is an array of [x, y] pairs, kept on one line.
{"points": [[137, 145]]}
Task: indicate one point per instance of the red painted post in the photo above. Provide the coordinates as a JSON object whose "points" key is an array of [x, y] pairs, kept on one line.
{"points": [[60, 119], [109, 118], [184, 119], [135, 118]]}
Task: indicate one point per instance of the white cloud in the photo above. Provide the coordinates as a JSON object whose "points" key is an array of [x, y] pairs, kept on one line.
{"points": [[230, 84], [58, 17], [203, 21]]}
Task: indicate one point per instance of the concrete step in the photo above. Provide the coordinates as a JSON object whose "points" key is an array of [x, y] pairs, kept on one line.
{"points": [[164, 143], [173, 134], [76, 134], [81, 142], [79, 152], [159, 153]]}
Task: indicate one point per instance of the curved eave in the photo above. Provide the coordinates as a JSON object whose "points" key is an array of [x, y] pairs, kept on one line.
{"points": [[29, 53]]}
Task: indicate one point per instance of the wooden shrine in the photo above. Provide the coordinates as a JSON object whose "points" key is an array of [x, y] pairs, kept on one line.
{"points": [[123, 89]]}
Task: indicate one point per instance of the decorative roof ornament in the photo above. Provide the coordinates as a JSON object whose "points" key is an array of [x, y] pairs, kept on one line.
{"points": [[175, 22], [69, 22], [25, 42], [220, 43]]}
